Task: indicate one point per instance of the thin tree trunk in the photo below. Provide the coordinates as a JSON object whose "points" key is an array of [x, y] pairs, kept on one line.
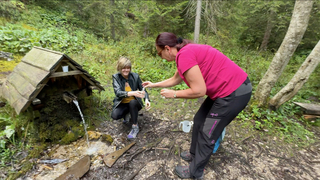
{"points": [[296, 30], [113, 34], [197, 23], [298, 80], [267, 33]]}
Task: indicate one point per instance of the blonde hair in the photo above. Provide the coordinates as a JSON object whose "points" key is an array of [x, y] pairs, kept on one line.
{"points": [[122, 63]]}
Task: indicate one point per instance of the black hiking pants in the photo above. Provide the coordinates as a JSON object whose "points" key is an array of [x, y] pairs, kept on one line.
{"points": [[209, 122], [124, 108]]}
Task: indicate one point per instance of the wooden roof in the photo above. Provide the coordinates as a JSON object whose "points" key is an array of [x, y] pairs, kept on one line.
{"points": [[33, 72]]}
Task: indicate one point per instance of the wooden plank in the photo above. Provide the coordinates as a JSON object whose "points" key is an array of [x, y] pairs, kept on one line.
{"points": [[72, 66], [55, 68], [61, 74], [6, 91], [111, 158], [13, 97], [21, 105], [23, 86], [311, 109], [310, 117], [42, 58], [87, 79], [31, 73], [77, 170], [39, 88]]}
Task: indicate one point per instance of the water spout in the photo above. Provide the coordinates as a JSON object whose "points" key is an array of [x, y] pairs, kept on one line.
{"points": [[84, 123], [68, 97]]}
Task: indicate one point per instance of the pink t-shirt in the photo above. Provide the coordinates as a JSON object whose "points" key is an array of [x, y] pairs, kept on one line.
{"points": [[221, 75]]}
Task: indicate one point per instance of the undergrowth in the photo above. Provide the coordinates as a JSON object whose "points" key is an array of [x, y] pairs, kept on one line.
{"points": [[99, 59]]}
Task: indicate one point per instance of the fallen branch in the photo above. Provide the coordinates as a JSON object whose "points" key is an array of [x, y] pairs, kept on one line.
{"points": [[138, 170], [260, 151], [246, 138], [146, 148], [157, 148]]}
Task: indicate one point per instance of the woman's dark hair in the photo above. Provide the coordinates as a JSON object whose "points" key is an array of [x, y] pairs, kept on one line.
{"points": [[171, 40]]}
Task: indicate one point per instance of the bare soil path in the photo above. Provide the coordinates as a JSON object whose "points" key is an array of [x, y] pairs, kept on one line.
{"points": [[242, 155]]}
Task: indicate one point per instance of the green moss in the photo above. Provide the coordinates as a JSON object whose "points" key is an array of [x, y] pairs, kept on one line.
{"points": [[78, 131], [57, 132], [73, 135], [107, 138], [36, 150], [47, 110], [26, 166], [69, 123], [68, 138]]}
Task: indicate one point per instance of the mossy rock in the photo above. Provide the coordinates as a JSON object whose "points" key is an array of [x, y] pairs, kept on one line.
{"points": [[107, 139], [70, 137], [24, 169]]}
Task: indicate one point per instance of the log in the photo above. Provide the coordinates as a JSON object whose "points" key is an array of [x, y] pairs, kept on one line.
{"points": [[77, 170], [309, 108], [310, 117]]}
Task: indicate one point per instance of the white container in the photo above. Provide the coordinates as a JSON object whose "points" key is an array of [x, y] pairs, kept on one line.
{"points": [[186, 126], [65, 68]]}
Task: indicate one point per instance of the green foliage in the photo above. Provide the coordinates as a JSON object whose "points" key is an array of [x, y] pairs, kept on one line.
{"points": [[56, 24], [11, 9], [284, 123], [153, 17], [7, 134], [257, 16], [16, 39]]}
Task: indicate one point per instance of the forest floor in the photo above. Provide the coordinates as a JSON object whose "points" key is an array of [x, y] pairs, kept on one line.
{"points": [[243, 154]]}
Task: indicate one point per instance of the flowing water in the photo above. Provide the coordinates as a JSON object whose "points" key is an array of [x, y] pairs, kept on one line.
{"points": [[84, 123]]}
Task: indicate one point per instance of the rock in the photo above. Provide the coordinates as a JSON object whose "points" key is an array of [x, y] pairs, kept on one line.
{"points": [[6, 56], [107, 139], [150, 169], [93, 135], [164, 143], [2, 104], [286, 169]]}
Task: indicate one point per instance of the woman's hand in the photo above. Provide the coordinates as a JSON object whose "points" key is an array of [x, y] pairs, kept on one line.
{"points": [[167, 93], [139, 94], [147, 84], [147, 104]]}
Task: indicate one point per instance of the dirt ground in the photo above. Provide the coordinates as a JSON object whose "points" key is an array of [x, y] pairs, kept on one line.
{"points": [[241, 156], [244, 153]]}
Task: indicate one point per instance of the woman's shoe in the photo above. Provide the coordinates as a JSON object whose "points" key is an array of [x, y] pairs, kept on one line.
{"points": [[134, 131], [186, 155], [184, 173], [126, 119]]}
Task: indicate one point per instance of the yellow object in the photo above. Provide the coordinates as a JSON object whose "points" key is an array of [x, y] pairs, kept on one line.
{"points": [[127, 99]]}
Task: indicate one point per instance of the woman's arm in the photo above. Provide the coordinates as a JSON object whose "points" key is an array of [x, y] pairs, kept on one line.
{"points": [[117, 88], [120, 93], [174, 80], [197, 86]]}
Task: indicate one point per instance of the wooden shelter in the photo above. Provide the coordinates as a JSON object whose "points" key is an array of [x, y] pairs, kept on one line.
{"points": [[42, 68]]}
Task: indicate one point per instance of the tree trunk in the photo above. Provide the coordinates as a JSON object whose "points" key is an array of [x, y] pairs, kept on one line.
{"points": [[298, 80], [113, 34], [267, 33], [296, 30], [197, 23]]}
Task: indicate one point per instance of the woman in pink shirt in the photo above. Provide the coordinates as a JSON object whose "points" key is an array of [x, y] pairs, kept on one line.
{"points": [[206, 71]]}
